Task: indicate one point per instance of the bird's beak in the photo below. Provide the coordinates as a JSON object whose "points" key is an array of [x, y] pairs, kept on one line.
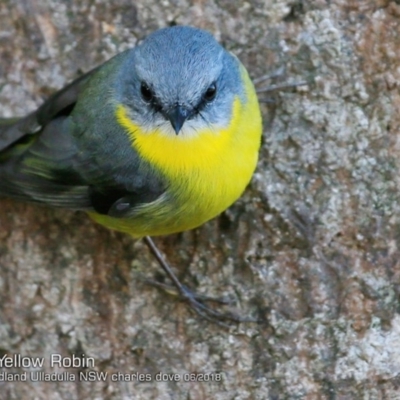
{"points": [[177, 115]]}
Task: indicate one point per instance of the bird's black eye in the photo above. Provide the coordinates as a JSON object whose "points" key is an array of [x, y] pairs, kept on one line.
{"points": [[210, 93], [146, 92]]}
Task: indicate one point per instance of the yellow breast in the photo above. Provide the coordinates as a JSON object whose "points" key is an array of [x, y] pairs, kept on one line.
{"points": [[206, 172]]}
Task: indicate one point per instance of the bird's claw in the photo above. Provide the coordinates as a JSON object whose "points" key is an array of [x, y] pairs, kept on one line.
{"points": [[196, 302]]}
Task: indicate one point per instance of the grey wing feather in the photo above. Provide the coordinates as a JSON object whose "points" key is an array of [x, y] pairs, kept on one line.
{"points": [[13, 129], [38, 157]]}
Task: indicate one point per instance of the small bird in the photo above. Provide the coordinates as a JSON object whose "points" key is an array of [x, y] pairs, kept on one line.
{"points": [[159, 139]]}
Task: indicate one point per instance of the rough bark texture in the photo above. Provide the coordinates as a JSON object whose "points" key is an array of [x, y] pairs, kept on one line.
{"points": [[311, 249]]}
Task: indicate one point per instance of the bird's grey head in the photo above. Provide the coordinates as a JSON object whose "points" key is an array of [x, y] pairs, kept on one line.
{"points": [[181, 80]]}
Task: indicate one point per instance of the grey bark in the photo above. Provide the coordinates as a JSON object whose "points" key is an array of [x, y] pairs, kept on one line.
{"points": [[311, 249]]}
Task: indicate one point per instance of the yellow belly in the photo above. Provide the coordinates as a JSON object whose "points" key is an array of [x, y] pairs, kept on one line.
{"points": [[205, 173]]}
